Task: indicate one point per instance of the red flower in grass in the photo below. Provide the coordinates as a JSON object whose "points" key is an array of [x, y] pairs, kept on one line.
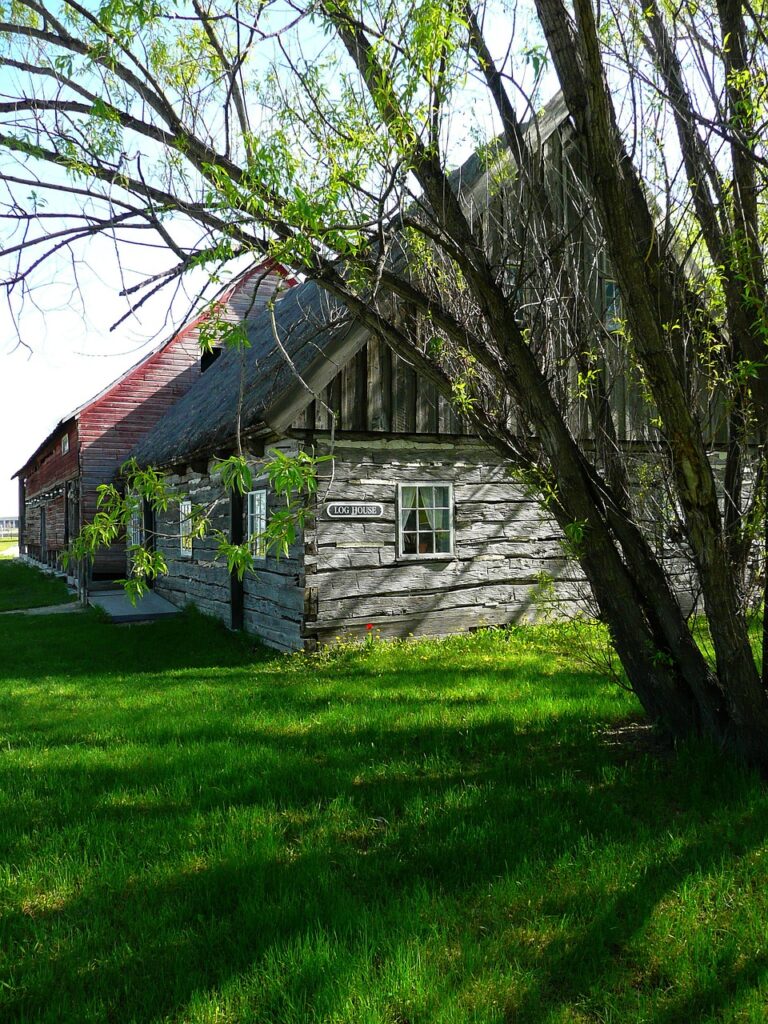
{"points": [[369, 625]]}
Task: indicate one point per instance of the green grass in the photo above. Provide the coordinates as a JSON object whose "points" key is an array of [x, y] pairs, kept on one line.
{"points": [[470, 831], [22, 586], [7, 544]]}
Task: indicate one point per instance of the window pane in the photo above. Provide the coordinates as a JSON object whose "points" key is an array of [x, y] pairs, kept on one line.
{"points": [[611, 305], [408, 519], [257, 522], [185, 526], [425, 519], [426, 497], [409, 543]]}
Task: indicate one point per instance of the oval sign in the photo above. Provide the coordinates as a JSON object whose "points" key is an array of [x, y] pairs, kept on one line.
{"points": [[354, 510]]}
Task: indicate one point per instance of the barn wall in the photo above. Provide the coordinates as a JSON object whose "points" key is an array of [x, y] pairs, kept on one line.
{"points": [[45, 478], [503, 545], [50, 467], [111, 426], [48, 548], [30, 540]]}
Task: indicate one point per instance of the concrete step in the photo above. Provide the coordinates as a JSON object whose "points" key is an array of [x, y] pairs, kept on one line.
{"points": [[118, 607]]}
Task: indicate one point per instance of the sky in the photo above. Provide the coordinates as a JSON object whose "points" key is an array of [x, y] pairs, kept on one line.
{"points": [[59, 355]]}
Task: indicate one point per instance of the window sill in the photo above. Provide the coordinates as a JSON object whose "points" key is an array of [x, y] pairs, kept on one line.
{"points": [[441, 556]]}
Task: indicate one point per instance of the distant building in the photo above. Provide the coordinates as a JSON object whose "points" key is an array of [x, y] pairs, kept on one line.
{"points": [[9, 526]]}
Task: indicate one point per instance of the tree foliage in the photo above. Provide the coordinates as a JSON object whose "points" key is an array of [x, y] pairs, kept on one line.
{"points": [[327, 134]]}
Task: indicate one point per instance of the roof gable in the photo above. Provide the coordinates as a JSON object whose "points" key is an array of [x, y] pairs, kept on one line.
{"points": [[289, 360]]}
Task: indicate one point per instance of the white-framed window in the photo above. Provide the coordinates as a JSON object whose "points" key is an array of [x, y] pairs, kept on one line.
{"points": [[136, 526], [611, 300], [65, 444], [256, 522], [185, 528], [425, 520]]}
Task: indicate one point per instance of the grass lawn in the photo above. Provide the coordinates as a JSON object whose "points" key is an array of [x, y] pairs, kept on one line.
{"points": [[468, 831], [7, 544], [22, 586]]}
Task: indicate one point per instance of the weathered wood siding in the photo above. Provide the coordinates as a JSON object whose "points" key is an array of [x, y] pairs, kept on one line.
{"points": [[31, 536], [49, 468], [45, 478], [503, 545], [46, 548], [111, 426], [273, 595]]}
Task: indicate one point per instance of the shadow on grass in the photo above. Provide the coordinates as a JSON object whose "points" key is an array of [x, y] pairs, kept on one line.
{"points": [[293, 844], [89, 646], [345, 853]]}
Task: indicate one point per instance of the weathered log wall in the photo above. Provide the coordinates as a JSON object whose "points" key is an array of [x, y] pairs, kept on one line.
{"points": [[342, 576], [202, 579], [506, 549], [273, 596]]}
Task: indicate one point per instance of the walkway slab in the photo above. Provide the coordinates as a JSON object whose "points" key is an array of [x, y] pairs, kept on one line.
{"points": [[48, 609], [118, 607]]}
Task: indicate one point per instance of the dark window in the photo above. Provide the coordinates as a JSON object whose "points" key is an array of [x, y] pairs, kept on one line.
{"points": [[208, 358]]}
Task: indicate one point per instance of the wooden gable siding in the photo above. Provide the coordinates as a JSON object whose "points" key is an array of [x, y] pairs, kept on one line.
{"points": [[379, 392], [494, 212], [50, 467]]}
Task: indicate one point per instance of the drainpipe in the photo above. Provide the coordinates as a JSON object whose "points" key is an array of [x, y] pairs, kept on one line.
{"points": [[22, 515]]}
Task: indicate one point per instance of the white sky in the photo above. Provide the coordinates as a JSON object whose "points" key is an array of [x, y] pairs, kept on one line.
{"points": [[70, 355]]}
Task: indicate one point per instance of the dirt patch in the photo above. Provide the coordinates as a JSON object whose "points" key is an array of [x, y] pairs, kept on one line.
{"points": [[636, 737]]}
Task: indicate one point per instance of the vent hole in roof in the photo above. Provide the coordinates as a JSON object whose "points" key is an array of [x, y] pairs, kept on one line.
{"points": [[207, 359]]}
